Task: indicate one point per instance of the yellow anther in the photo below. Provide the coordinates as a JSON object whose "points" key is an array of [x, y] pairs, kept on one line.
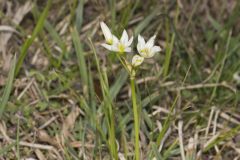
{"points": [[121, 48], [110, 41]]}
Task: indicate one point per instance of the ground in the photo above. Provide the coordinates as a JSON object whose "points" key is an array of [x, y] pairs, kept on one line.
{"points": [[54, 104]]}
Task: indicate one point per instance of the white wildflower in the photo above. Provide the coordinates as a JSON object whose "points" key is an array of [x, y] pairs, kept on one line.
{"points": [[137, 60], [123, 45], [113, 43], [109, 37], [147, 49]]}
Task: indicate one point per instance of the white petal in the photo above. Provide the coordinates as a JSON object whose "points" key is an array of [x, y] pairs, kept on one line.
{"points": [[109, 47], [106, 31], [141, 40], [128, 49], [129, 42], [144, 54], [156, 49], [137, 60], [141, 43], [150, 42], [115, 40], [138, 47], [124, 38], [150, 54], [115, 48], [236, 76]]}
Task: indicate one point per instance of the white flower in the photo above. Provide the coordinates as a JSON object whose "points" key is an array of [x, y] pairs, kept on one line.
{"points": [[147, 50], [124, 44], [137, 60], [113, 43], [236, 77], [109, 37]]}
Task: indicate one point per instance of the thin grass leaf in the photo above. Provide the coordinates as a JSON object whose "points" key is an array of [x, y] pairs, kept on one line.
{"points": [[92, 98], [80, 55], [170, 150], [56, 62], [169, 117], [53, 33], [30, 40], [6, 148], [17, 139], [150, 99], [155, 150], [166, 123], [222, 65], [214, 23], [148, 120], [128, 12], [8, 88], [224, 136], [48, 51], [79, 15], [145, 23], [112, 4], [168, 56], [121, 79], [106, 106]]}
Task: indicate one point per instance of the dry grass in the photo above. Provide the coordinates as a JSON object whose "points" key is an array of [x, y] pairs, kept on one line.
{"points": [[55, 110]]}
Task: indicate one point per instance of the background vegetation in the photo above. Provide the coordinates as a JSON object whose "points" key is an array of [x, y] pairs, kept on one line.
{"points": [[52, 103]]}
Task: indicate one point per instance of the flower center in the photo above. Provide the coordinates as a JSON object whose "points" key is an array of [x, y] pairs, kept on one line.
{"points": [[121, 47], [138, 62], [109, 41], [145, 51]]}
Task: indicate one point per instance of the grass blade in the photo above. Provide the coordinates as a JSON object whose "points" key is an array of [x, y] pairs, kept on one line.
{"points": [[107, 106], [112, 5], [53, 33], [6, 148], [8, 87], [168, 56], [29, 41], [145, 22], [115, 88], [79, 15], [80, 56]]}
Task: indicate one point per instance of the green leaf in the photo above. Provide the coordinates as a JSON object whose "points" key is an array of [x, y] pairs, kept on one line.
{"points": [[79, 15], [30, 40], [145, 23], [80, 56], [6, 148], [8, 87]]}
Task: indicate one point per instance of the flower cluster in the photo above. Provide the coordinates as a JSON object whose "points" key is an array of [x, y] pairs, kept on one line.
{"points": [[122, 45]]}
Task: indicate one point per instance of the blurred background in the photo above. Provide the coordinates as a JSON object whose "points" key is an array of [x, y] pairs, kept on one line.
{"points": [[51, 98]]}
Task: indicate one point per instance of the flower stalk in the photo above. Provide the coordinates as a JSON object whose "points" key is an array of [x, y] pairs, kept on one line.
{"points": [[146, 49], [136, 118]]}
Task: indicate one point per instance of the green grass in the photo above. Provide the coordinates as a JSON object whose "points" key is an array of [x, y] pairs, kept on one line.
{"points": [[193, 74], [8, 88], [30, 40]]}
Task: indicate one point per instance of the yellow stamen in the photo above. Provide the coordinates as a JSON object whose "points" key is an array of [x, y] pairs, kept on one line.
{"points": [[109, 41], [138, 60], [146, 51], [121, 48]]}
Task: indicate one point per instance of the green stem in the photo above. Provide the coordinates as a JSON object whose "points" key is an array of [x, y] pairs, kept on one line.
{"points": [[18, 125], [136, 119], [112, 134], [123, 62]]}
